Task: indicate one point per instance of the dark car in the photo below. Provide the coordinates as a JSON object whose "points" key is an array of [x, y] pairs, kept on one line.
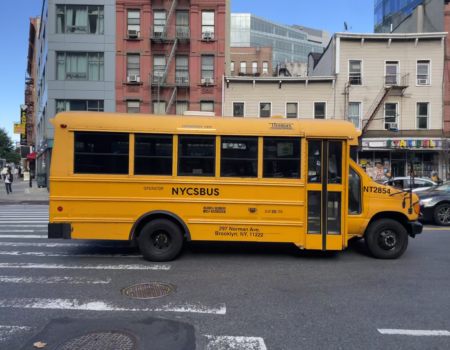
{"points": [[435, 204]]}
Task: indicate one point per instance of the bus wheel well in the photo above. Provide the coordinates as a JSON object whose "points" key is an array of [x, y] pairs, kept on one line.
{"points": [[158, 214], [400, 217]]}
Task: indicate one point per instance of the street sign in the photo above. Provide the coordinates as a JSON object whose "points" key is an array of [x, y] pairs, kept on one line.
{"points": [[19, 128]]}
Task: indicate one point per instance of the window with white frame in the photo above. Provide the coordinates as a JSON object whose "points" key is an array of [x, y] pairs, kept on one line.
{"points": [[265, 67], [159, 22], [238, 109], [254, 67], [232, 67], [181, 107], [423, 73], [159, 66], [292, 110], [133, 107], [243, 68], [265, 109], [134, 20], [80, 19], [355, 72], [208, 24], [80, 66], [159, 107], [390, 115], [182, 69], [392, 73], [208, 67], [207, 106], [320, 110], [354, 114], [133, 67], [423, 111]]}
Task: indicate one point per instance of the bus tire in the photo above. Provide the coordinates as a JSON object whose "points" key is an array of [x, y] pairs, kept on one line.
{"points": [[160, 240], [386, 239]]}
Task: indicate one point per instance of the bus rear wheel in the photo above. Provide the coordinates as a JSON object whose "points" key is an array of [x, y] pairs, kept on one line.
{"points": [[160, 240], [386, 239]]}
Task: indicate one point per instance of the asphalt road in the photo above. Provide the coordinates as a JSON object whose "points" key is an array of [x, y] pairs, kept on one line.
{"points": [[226, 296]]}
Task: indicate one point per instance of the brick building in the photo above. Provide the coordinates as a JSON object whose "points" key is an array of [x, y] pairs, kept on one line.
{"points": [[251, 61], [170, 55]]}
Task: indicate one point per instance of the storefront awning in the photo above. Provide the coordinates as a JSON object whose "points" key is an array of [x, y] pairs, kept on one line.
{"points": [[31, 156]]}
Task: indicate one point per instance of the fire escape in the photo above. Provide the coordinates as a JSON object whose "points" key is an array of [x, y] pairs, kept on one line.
{"points": [[29, 102], [394, 85], [164, 86]]}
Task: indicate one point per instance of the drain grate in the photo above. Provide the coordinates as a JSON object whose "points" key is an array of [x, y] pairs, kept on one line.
{"points": [[148, 290], [103, 340]]}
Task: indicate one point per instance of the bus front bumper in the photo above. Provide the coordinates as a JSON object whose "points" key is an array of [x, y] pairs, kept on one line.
{"points": [[60, 230], [415, 228]]}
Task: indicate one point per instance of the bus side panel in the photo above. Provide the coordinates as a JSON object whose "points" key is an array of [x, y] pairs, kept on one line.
{"points": [[99, 230]]}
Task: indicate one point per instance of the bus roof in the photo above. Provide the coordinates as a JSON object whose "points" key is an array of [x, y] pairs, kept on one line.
{"points": [[172, 124]]}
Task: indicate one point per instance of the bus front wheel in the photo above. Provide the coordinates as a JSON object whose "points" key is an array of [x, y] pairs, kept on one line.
{"points": [[386, 239], [160, 240]]}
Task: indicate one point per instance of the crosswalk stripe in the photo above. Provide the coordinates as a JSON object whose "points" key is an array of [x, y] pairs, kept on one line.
{"points": [[238, 343], [24, 236], [414, 332], [9, 231], [54, 279], [54, 245], [46, 254], [8, 331], [14, 226], [85, 267], [99, 305]]}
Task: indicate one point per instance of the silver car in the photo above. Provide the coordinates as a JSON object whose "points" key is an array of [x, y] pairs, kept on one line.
{"points": [[420, 184]]}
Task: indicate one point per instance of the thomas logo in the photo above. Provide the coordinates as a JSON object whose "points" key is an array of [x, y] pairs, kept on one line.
{"points": [[281, 126]]}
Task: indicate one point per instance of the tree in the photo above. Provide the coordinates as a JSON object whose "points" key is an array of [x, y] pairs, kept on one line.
{"points": [[7, 149]]}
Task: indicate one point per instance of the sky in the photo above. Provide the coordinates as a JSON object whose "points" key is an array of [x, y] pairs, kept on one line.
{"points": [[319, 14]]}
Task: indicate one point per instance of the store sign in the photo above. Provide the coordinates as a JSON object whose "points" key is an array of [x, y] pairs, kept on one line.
{"points": [[19, 128], [412, 143], [23, 121]]}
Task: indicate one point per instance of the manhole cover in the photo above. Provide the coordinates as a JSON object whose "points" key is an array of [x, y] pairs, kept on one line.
{"points": [[148, 290], [103, 340]]}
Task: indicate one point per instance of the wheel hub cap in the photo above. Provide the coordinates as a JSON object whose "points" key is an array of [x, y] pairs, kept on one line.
{"points": [[444, 215], [161, 239], [387, 239]]}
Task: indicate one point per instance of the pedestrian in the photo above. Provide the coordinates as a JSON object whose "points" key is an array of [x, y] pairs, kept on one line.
{"points": [[4, 172], [8, 180], [19, 171]]}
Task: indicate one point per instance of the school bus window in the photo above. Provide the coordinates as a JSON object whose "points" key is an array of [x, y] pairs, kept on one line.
{"points": [[153, 154], [314, 212], [315, 161], [354, 193], [281, 158], [196, 155], [334, 213], [101, 153], [239, 157], [335, 163]]}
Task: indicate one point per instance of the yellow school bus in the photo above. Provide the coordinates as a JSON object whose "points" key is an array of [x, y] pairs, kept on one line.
{"points": [[159, 180]]}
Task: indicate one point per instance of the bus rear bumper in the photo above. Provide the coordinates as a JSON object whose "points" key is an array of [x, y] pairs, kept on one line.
{"points": [[60, 230], [415, 228]]}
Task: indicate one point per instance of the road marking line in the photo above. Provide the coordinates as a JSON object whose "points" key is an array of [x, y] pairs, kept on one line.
{"points": [[238, 343], [63, 254], [24, 236], [24, 226], [9, 231], [54, 245], [436, 229], [24, 221], [414, 332], [84, 267], [97, 305], [7, 331], [51, 280]]}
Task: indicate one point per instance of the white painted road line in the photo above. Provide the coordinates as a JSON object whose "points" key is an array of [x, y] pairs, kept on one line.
{"points": [[9, 231], [51, 280], [24, 236], [14, 226], [413, 332], [25, 221], [98, 305], [55, 245], [46, 254], [7, 331], [235, 343], [83, 267]]}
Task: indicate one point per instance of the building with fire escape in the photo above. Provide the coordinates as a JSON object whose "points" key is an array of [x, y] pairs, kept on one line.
{"points": [[170, 55]]}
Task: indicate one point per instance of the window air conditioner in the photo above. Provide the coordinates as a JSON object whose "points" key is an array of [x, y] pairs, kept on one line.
{"points": [[207, 35], [133, 33], [207, 81], [422, 82], [133, 79], [392, 126]]}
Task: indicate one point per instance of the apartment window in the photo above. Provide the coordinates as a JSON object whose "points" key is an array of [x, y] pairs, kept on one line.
{"points": [[101, 153], [355, 72], [320, 110], [159, 22], [232, 67], [80, 19], [134, 20], [153, 154], [208, 67], [265, 109], [423, 110], [79, 105], [208, 24], [80, 66], [133, 107], [292, 110], [392, 73], [281, 157], [243, 68], [354, 114], [265, 67], [238, 109], [159, 66], [181, 107], [390, 114], [182, 69], [133, 66], [159, 107], [239, 157], [207, 106], [423, 73], [197, 157], [254, 67], [182, 23]]}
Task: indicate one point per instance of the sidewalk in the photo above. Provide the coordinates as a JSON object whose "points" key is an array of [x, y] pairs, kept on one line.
{"points": [[23, 194]]}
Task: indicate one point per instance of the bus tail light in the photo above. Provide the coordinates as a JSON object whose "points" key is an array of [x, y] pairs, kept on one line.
{"points": [[417, 208], [60, 208]]}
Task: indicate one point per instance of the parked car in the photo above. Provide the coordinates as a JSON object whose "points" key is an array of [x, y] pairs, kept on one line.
{"points": [[403, 183], [435, 204]]}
